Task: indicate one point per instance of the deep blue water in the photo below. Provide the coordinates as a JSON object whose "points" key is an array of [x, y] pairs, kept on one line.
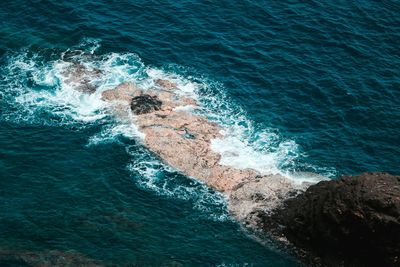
{"points": [[305, 87]]}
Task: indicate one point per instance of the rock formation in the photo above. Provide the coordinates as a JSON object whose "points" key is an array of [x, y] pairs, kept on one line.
{"points": [[352, 221], [182, 139]]}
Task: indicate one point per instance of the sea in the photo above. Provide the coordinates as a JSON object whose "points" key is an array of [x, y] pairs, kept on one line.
{"points": [[302, 89]]}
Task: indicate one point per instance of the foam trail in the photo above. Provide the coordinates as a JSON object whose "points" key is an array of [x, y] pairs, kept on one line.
{"points": [[110, 133], [151, 174]]}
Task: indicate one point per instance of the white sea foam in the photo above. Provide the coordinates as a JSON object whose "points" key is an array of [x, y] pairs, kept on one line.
{"points": [[236, 153], [48, 92], [185, 87], [187, 108], [152, 174], [112, 131]]}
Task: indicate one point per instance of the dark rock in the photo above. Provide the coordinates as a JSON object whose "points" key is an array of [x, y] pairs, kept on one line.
{"points": [[145, 104], [352, 221]]}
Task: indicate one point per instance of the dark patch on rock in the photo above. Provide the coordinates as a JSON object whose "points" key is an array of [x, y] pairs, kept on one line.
{"points": [[161, 116], [145, 104], [352, 221]]}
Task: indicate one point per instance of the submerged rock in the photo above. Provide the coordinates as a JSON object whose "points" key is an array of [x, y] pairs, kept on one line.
{"points": [[45, 258], [352, 221], [86, 87], [81, 78], [165, 84], [75, 56], [145, 104]]}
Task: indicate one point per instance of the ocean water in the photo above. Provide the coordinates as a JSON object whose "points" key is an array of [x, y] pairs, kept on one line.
{"points": [[300, 88]]}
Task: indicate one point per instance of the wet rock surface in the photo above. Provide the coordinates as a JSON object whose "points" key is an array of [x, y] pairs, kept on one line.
{"points": [[352, 221], [165, 84], [263, 194], [81, 78], [123, 92]]}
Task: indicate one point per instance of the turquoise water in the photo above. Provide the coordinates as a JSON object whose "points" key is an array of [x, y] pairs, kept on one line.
{"points": [[300, 87]]}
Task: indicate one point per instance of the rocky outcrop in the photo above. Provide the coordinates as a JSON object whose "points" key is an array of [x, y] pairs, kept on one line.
{"points": [[352, 221], [182, 139]]}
